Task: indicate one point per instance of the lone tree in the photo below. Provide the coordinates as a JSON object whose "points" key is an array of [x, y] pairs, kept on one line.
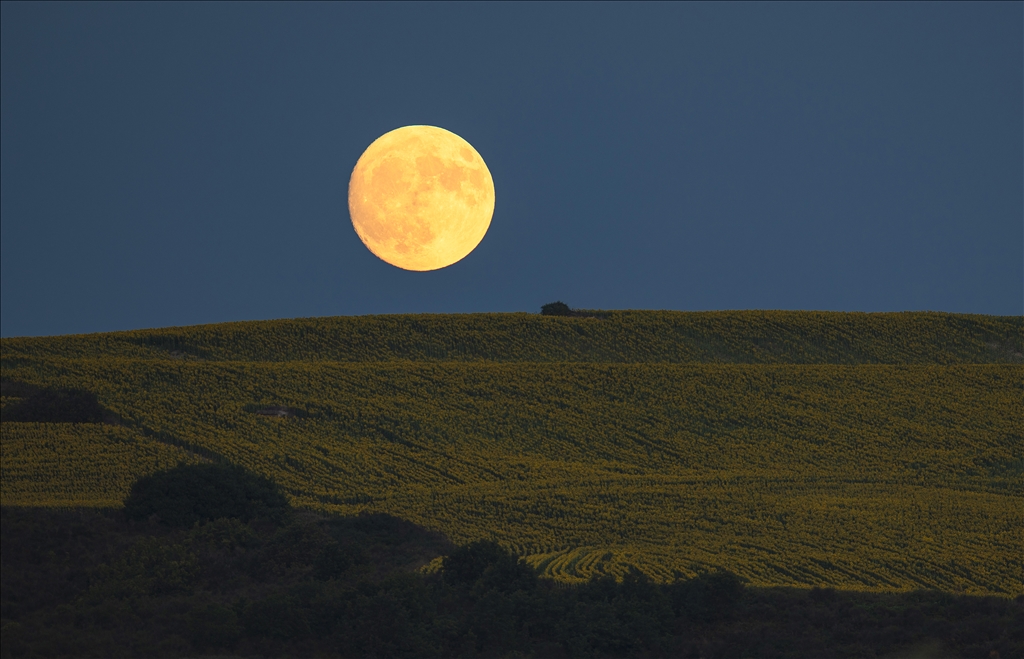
{"points": [[556, 309]]}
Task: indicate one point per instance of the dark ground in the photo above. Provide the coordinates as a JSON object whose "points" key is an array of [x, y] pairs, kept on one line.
{"points": [[94, 583]]}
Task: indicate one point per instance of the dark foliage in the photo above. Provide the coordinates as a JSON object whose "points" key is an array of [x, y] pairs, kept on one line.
{"points": [[710, 597], [188, 494], [563, 309], [17, 389], [55, 406], [91, 583], [332, 562], [486, 563], [556, 309]]}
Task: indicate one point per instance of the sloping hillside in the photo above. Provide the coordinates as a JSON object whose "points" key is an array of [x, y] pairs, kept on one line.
{"points": [[861, 451], [747, 337]]}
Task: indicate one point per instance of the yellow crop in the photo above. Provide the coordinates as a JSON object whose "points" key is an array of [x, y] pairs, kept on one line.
{"points": [[67, 464]]}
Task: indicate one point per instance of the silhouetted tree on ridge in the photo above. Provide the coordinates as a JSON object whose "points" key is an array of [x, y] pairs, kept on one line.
{"points": [[556, 309]]}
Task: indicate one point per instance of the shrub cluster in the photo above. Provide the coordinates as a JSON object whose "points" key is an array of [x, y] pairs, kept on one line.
{"points": [[192, 493]]}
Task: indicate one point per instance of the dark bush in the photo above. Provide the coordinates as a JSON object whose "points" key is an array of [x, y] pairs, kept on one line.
{"points": [[277, 616], [151, 567], [556, 309], [467, 564], [710, 597], [822, 594], [332, 561], [187, 494], [58, 406], [213, 626], [17, 389], [486, 562]]}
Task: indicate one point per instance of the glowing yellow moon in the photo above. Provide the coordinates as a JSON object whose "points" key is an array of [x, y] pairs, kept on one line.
{"points": [[421, 198]]}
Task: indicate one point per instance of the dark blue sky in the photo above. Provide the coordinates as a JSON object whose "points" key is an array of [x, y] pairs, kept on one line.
{"points": [[172, 164]]}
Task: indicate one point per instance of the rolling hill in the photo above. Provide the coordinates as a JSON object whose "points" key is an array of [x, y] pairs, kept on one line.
{"points": [[876, 452]]}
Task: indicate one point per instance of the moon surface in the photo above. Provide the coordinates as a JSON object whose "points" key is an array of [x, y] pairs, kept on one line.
{"points": [[421, 198]]}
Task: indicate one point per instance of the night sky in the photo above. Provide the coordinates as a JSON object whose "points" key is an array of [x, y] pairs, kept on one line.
{"points": [[174, 164]]}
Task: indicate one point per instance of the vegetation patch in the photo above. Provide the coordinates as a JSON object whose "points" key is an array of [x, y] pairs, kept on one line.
{"points": [[562, 309], [192, 493]]}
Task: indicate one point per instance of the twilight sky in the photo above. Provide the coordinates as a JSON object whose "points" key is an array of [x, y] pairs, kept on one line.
{"points": [[174, 164]]}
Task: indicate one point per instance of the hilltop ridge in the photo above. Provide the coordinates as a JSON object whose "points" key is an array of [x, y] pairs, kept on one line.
{"points": [[751, 337]]}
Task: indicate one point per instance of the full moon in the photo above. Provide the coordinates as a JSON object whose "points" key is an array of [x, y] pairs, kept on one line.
{"points": [[421, 198]]}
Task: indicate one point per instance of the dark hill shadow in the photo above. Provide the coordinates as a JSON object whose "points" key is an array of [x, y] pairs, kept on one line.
{"points": [[33, 404]]}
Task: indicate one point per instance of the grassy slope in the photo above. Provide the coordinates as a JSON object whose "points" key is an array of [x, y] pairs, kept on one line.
{"points": [[867, 451], [752, 337]]}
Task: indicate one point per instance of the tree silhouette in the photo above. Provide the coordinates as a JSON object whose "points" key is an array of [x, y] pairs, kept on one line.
{"points": [[187, 494], [556, 309]]}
